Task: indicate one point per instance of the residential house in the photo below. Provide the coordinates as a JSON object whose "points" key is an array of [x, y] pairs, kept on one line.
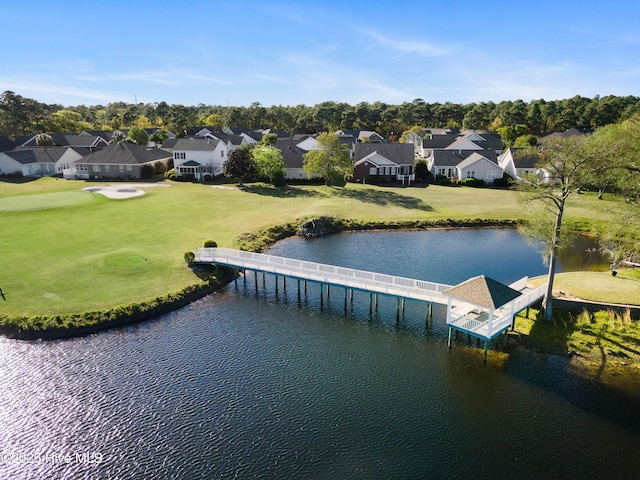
{"points": [[460, 164], [38, 161], [199, 157], [478, 166], [92, 142], [519, 164], [361, 136], [122, 160], [383, 163], [307, 142], [468, 140], [233, 141], [571, 132], [293, 156]]}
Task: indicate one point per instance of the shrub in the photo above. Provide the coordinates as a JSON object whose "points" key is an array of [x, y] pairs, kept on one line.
{"points": [[441, 180], [208, 178], [169, 172], [189, 257], [160, 167], [147, 171], [210, 244], [278, 179], [505, 181], [471, 182]]}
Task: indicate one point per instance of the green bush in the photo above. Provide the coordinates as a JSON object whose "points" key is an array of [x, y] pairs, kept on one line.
{"points": [[189, 257], [471, 182], [505, 181], [441, 180], [147, 171], [210, 244], [169, 172], [278, 179]]}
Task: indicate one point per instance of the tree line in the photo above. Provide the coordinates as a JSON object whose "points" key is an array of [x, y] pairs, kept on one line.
{"points": [[513, 119]]}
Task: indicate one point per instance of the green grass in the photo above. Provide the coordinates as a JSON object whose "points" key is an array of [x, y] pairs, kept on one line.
{"points": [[72, 257], [604, 346], [598, 286]]}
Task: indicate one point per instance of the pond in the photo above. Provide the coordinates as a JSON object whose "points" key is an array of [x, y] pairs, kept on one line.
{"points": [[246, 385]]}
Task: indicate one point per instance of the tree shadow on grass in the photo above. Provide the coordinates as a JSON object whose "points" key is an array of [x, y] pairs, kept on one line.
{"points": [[18, 180], [279, 192], [382, 198]]}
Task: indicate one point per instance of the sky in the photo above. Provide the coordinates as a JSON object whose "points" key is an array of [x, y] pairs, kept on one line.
{"points": [[302, 52]]}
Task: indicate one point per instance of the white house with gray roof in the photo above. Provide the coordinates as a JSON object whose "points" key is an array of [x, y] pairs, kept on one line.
{"points": [[198, 157], [38, 161]]}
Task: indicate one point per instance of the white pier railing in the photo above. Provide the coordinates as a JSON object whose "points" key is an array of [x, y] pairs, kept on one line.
{"points": [[328, 274], [461, 315]]}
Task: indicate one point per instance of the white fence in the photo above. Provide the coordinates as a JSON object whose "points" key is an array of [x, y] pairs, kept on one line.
{"points": [[462, 317], [329, 274]]}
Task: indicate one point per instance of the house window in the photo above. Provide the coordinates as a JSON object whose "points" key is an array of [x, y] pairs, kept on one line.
{"points": [[180, 155], [222, 153], [393, 170], [121, 168], [491, 175], [471, 174], [441, 171], [96, 168], [107, 168], [373, 171]]}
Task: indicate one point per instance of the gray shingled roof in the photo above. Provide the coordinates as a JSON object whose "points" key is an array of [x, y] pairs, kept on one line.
{"points": [[449, 158], [200, 144], [292, 155], [124, 153], [398, 153], [37, 154], [484, 292], [523, 160]]}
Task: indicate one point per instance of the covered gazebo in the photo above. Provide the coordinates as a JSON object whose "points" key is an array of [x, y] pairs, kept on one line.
{"points": [[483, 308]]}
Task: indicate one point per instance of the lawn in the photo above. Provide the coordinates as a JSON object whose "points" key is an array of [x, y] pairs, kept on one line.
{"points": [[64, 250], [597, 286]]}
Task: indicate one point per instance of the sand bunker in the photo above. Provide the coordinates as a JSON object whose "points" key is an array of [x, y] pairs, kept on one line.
{"points": [[122, 191]]}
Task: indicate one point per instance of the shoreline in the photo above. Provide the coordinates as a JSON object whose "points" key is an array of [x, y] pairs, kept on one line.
{"points": [[71, 325], [52, 327]]}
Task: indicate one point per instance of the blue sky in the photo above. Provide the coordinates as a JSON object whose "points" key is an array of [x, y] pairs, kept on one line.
{"points": [[298, 52]]}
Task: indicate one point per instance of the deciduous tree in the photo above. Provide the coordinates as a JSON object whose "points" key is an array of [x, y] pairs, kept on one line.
{"points": [[269, 163], [139, 136], [239, 164], [331, 161], [569, 163]]}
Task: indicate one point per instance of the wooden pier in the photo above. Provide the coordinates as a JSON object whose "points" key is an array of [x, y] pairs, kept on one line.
{"points": [[480, 307]]}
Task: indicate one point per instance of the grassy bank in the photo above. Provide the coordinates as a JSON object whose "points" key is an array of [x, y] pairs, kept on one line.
{"points": [[65, 251], [604, 346]]}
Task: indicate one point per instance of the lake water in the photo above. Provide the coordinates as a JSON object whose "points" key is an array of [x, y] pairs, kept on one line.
{"points": [[246, 385]]}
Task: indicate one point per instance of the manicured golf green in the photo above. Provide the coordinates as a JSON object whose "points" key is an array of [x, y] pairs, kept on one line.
{"points": [[43, 201], [74, 256]]}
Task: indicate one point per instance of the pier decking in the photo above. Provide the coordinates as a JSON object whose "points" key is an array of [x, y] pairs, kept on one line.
{"points": [[468, 316]]}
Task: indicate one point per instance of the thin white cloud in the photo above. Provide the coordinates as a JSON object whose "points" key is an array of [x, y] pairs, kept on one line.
{"points": [[55, 93], [404, 47]]}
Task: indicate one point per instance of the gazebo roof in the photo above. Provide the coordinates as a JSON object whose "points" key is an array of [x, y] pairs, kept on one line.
{"points": [[484, 292]]}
